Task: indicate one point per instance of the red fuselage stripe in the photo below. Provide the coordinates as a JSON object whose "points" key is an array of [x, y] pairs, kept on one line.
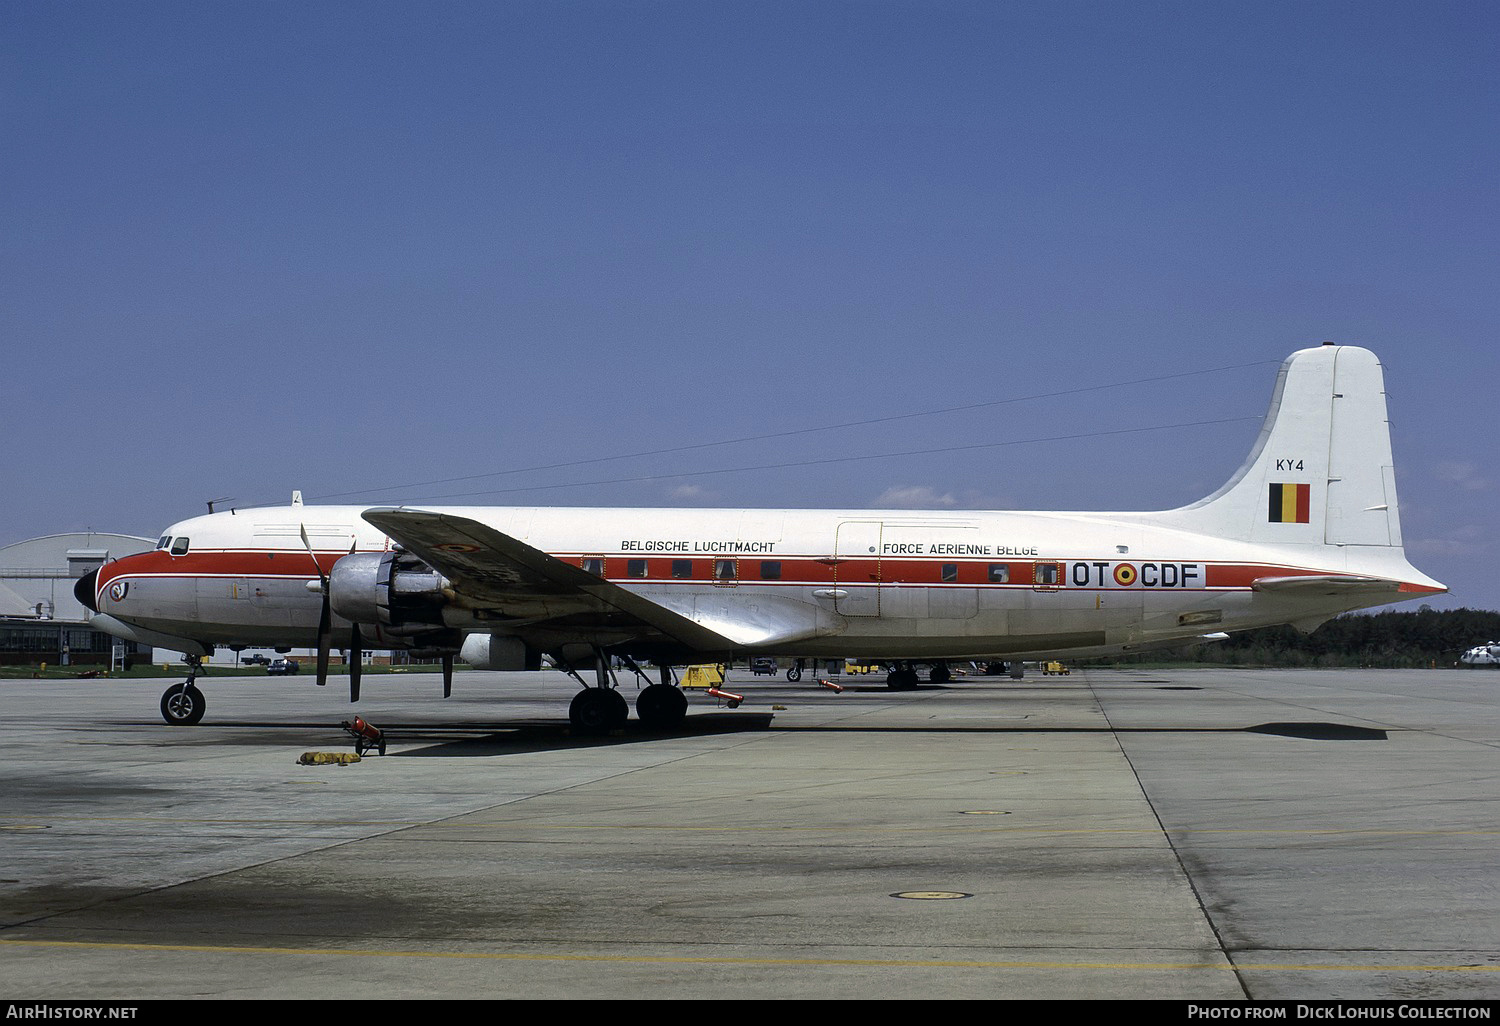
{"points": [[1073, 574]]}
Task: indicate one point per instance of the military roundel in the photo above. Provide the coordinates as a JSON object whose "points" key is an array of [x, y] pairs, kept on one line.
{"points": [[1125, 575]]}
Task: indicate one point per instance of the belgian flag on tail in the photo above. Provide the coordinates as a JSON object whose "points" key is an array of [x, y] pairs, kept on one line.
{"points": [[1291, 503]]}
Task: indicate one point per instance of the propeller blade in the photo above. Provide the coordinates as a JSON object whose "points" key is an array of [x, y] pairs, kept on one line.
{"points": [[325, 639], [307, 544], [448, 675], [325, 616], [356, 658]]}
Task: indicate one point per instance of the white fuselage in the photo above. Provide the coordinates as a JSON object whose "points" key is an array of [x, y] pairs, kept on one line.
{"points": [[883, 584]]}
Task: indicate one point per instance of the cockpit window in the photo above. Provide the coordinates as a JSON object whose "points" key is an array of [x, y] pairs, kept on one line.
{"points": [[166, 540], [179, 546]]}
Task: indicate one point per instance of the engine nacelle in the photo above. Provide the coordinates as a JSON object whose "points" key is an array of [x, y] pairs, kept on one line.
{"points": [[394, 591], [499, 652]]}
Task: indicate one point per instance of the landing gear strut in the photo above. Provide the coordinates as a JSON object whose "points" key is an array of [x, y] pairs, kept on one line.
{"points": [[182, 705], [599, 709]]}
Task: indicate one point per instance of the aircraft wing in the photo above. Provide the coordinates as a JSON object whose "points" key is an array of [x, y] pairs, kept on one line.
{"points": [[489, 567], [1324, 584]]}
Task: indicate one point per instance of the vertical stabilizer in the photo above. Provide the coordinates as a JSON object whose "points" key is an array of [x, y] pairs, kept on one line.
{"points": [[1321, 470]]}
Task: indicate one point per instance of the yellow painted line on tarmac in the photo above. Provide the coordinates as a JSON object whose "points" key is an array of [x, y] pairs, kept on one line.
{"points": [[155, 820], [502, 956], [965, 829], [461, 822]]}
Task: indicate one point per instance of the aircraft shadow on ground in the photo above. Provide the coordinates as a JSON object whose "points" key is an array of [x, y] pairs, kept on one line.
{"points": [[534, 737], [491, 739], [1312, 731], [422, 740]]}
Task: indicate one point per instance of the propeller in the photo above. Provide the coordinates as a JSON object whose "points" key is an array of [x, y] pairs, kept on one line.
{"points": [[447, 674], [356, 657], [325, 616]]}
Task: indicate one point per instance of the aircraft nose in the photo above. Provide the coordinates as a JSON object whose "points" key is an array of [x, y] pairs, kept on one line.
{"points": [[86, 590]]}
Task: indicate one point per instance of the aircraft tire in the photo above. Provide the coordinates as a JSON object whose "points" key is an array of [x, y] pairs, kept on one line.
{"points": [[902, 680], [794, 673], [183, 705], [661, 707], [940, 674], [598, 711]]}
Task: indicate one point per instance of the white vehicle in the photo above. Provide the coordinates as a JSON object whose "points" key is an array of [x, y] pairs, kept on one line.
{"points": [[1486, 655], [1306, 529]]}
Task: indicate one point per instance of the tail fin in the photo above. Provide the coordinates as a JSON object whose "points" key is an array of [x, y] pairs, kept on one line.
{"points": [[1321, 471]]}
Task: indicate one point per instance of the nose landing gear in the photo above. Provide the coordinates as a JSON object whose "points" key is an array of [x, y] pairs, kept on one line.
{"points": [[183, 705]]}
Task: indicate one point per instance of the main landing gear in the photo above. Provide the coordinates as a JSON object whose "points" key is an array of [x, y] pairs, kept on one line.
{"points": [[182, 705], [903, 676], [601, 709]]}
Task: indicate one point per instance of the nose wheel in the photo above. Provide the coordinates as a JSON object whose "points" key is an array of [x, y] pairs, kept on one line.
{"points": [[182, 705]]}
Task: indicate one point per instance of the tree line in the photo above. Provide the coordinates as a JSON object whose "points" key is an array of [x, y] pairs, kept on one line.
{"points": [[1424, 638]]}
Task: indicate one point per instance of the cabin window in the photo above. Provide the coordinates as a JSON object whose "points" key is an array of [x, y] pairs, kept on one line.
{"points": [[724, 569], [999, 573], [682, 569], [1046, 574], [594, 565], [179, 546], [635, 568], [770, 569], [950, 572]]}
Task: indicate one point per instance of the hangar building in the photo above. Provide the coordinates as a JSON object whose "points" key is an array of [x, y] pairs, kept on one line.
{"points": [[40, 620]]}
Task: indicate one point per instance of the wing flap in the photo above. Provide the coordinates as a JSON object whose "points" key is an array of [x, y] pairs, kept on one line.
{"points": [[756, 622]]}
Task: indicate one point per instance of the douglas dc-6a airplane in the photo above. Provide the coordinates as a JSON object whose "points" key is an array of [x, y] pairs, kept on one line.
{"points": [[1306, 529]]}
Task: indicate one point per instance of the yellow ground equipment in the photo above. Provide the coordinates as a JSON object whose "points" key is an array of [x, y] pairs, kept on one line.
{"points": [[709, 675]]}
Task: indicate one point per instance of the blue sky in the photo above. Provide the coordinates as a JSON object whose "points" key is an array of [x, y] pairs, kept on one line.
{"points": [[352, 248]]}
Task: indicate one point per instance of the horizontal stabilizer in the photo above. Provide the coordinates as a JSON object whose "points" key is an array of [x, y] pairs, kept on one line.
{"points": [[1324, 584]]}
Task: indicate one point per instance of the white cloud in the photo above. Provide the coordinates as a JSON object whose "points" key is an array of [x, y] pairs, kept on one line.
{"points": [[691, 493], [913, 497], [1461, 473], [1468, 540]]}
